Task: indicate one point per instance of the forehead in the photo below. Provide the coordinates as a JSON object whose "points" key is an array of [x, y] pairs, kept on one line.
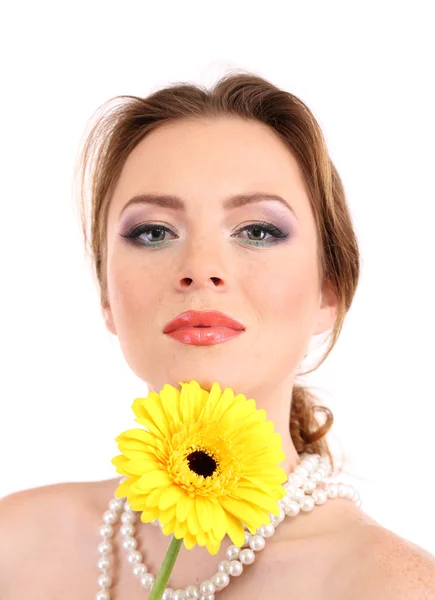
{"points": [[211, 159]]}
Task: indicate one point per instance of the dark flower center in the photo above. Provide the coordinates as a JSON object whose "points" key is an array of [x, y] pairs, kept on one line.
{"points": [[202, 463]]}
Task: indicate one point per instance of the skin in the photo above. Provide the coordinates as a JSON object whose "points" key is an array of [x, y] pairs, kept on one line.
{"points": [[335, 551], [273, 290]]}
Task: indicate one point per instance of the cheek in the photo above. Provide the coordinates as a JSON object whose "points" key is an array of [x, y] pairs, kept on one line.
{"points": [[285, 291], [133, 293]]}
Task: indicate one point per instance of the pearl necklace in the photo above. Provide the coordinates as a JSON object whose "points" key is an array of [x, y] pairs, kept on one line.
{"points": [[302, 495]]}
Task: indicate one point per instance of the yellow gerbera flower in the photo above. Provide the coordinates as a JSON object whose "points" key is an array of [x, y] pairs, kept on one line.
{"points": [[207, 464]]}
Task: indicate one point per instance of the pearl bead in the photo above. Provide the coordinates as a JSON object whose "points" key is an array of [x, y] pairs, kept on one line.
{"points": [[299, 496], [106, 530], [116, 504], [308, 504], [289, 488], [332, 490], [309, 485], [147, 581], [350, 492], [293, 508], [127, 529], [308, 464], [232, 553], [104, 563], [342, 490], [266, 530], [295, 480], [104, 548], [134, 557], [311, 459], [277, 519], [248, 536], [220, 579], [257, 543], [247, 557], [301, 471], [139, 569], [302, 494], [319, 496], [129, 543], [236, 568], [224, 566], [128, 518], [191, 592], [208, 587], [110, 517], [104, 581]]}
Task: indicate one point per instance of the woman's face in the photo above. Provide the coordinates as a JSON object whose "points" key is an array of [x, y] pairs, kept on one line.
{"points": [[204, 257]]}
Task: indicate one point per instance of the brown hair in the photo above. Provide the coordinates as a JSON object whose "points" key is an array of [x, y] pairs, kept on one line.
{"points": [[247, 96]]}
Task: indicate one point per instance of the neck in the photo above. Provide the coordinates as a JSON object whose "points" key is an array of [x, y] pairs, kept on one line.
{"points": [[276, 401]]}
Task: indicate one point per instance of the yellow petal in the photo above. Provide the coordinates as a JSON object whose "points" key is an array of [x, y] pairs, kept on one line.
{"points": [[212, 545], [190, 401], [170, 497], [171, 403], [150, 414], [156, 412], [140, 436], [166, 516], [214, 411], [151, 480], [189, 540], [205, 512], [192, 520], [149, 514], [152, 499], [233, 417], [168, 528], [139, 467], [180, 530], [256, 497], [124, 488], [184, 506], [201, 538], [121, 463], [235, 530], [219, 521], [244, 511]]}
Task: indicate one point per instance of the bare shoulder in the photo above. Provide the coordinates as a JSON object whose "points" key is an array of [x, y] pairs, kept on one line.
{"points": [[43, 527], [381, 564]]}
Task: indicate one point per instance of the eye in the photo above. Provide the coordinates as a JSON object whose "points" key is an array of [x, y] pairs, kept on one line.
{"points": [[157, 234], [258, 232]]}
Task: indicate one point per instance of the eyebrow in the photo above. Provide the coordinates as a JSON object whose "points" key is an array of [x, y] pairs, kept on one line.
{"points": [[176, 203]]}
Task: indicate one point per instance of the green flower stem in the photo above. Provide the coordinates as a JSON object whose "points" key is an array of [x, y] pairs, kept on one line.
{"points": [[166, 569]]}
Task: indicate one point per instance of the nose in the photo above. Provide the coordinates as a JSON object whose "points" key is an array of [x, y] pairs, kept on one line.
{"points": [[187, 282], [202, 266]]}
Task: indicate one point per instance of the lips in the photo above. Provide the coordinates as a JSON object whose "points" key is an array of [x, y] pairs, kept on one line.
{"points": [[207, 318]]}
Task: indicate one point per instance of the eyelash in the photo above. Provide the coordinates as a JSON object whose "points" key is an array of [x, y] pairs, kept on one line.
{"points": [[134, 234]]}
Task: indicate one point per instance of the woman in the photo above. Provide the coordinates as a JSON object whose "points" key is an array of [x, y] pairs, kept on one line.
{"points": [[216, 201]]}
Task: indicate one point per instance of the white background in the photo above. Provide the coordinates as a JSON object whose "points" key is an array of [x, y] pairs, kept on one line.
{"points": [[366, 71]]}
